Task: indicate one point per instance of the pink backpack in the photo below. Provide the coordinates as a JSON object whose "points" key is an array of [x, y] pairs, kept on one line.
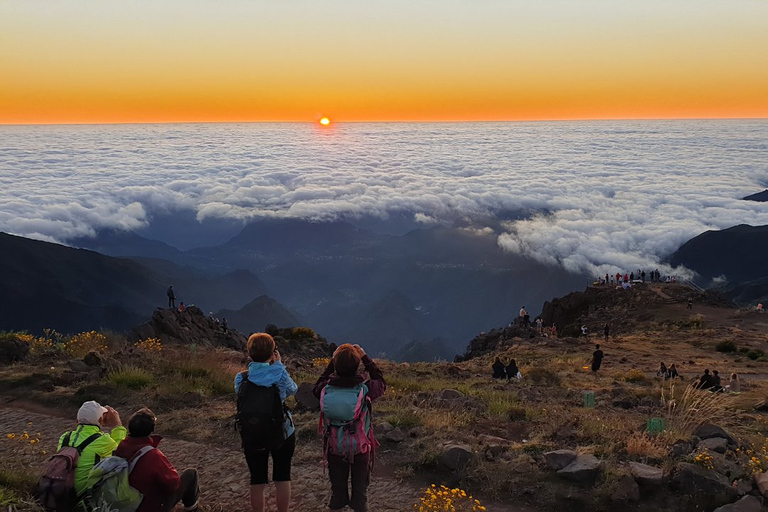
{"points": [[345, 421], [56, 488]]}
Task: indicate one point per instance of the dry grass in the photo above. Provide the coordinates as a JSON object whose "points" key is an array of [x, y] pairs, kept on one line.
{"points": [[642, 446], [686, 410]]}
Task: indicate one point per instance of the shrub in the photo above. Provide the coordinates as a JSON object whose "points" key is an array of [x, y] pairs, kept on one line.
{"points": [[80, 344], [131, 378], [149, 345], [404, 419], [726, 346], [445, 499], [696, 321], [755, 354], [302, 332], [539, 375], [634, 375], [643, 446]]}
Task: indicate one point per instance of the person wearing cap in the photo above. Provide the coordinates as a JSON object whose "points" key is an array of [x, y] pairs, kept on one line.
{"points": [[161, 486], [90, 418]]}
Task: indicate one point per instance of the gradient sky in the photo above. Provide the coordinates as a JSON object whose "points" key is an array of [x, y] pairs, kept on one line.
{"points": [[87, 61]]}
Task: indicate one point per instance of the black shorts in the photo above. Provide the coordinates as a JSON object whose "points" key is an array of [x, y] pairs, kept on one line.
{"points": [[281, 462]]}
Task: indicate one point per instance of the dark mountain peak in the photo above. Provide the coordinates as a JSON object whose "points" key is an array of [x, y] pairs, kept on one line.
{"points": [[260, 312], [294, 234], [119, 243], [760, 197]]}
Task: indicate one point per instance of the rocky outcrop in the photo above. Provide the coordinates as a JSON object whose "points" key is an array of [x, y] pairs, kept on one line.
{"points": [[12, 349], [559, 459], [709, 431], [495, 340], [745, 504], [189, 327], [456, 457], [626, 490], [584, 469], [707, 486]]}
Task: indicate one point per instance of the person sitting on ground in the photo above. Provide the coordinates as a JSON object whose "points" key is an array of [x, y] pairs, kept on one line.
{"points": [[662, 372], [672, 372], [584, 330], [341, 379], [597, 359], [512, 371], [90, 418], [705, 381], [182, 307], [161, 486], [734, 386], [716, 383], [266, 369], [498, 369]]}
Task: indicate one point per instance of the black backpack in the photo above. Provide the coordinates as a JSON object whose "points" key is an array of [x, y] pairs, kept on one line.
{"points": [[260, 416]]}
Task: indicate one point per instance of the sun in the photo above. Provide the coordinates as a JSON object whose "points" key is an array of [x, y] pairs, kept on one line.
{"points": [[325, 121]]}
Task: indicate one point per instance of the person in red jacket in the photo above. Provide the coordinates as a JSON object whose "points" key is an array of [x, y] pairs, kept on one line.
{"points": [[154, 476]]}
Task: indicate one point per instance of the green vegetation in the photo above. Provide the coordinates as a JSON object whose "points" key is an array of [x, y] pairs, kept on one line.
{"points": [[131, 378], [726, 346]]}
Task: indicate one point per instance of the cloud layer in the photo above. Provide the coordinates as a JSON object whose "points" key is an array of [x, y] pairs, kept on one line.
{"points": [[605, 196]]}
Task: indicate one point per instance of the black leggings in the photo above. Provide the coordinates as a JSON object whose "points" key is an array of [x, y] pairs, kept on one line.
{"points": [[258, 461]]}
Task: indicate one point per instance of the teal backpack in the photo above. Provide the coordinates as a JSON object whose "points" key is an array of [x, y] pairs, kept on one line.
{"points": [[345, 421], [108, 486]]}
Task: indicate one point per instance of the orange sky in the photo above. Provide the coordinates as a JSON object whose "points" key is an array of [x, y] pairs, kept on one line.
{"points": [[92, 61]]}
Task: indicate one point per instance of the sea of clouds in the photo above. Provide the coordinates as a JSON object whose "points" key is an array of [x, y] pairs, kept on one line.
{"points": [[597, 196]]}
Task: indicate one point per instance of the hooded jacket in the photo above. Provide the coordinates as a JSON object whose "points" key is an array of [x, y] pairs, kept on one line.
{"points": [[265, 374], [99, 449], [153, 476]]}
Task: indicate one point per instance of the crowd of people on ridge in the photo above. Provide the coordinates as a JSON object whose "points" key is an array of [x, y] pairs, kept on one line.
{"points": [[620, 279], [123, 469]]}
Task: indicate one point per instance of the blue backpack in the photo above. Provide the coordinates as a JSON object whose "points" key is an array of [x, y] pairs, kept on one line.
{"points": [[345, 421]]}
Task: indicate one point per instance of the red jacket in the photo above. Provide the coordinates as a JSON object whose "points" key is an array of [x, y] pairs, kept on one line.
{"points": [[153, 476]]}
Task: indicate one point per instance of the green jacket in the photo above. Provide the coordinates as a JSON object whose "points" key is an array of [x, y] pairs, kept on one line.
{"points": [[94, 452]]}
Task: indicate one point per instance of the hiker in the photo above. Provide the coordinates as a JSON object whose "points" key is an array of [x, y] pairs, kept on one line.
{"points": [[716, 383], [261, 396], [171, 297], [153, 475], [597, 359], [525, 318], [539, 324], [584, 330], [224, 324], [607, 331], [512, 371], [182, 307], [760, 307], [690, 304], [498, 369], [734, 386], [672, 372], [705, 381], [348, 441], [91, 444], [663, 370], [554, 331]]}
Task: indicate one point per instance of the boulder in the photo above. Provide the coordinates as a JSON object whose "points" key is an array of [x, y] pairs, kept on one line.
{"points": [[305, 399], [78, 366], [626, 490], [745, 504], [761, 481], [762, 406], [12, 349], [715, 444], [583, 470], [94, 358], [559, 459], [456, 457], [451, 394], [394, 436], [626, 402], [646, 475], [706, 486], [384, 427], [681, 449], [708, 431]]}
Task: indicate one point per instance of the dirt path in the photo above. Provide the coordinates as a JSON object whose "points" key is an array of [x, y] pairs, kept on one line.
{"points": [[223, 474]]}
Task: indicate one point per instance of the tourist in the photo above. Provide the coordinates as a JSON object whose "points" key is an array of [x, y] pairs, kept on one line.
{"points": [[663, 370], [690, 304], [597, 359], [349, 443], [607, 331], [539, 324], [716, 383], [182, 308], [525, 318], [512, 371], [224, 324], [584, 330], [256, 395], [171, 297], [498, 369], [734, 386], [153, 475], [92, 443], [554, 331], [705, 381], [672, 372]]}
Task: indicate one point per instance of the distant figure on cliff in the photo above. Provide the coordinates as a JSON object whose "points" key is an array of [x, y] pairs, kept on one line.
{"points": [[690, 304], [182, 307], [525, 317], [224, 324], [171, 297], [539, 324], [584, 330], [513, 372], [554, 331], [597, 359], [642, 276], [498, 369], [607, 331]]}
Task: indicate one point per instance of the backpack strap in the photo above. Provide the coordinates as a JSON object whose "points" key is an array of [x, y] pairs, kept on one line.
{"points": [[65, 443], [243, 379], [136, 456], [82, 446]]}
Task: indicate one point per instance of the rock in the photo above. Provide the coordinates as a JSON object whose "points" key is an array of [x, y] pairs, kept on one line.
{"points": [[93, 358], [626, 402], [456, 457], [384, 427], [12, 349], [681, 449], [78, 366], [582, 470], [559, 459], [649, 401], [708, 431], [646, 475], [450, 394], [761, 480], [626, 490], [744, 487], [745, 504], [305, 399], [762, 406], [395, 436], [715, 444], [707, 486]]}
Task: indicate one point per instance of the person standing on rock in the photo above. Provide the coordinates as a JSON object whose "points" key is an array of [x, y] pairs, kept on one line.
{"points": [[597, 359], [261, 391], [348, 442], [171, 297]]}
